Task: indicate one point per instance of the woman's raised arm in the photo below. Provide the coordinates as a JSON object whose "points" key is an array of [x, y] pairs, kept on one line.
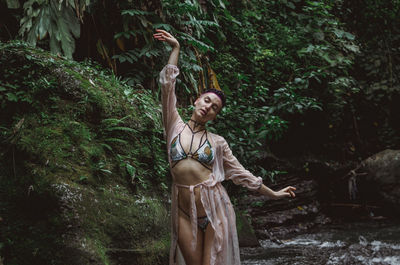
{"points": [[162, 35], [168, 80]]}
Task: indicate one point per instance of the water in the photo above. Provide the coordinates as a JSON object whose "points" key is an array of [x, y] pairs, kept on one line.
{"points": [[369, 243]]}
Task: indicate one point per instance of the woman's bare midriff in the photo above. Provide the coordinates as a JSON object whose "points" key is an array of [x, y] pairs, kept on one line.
{"points": [[190, 172]]}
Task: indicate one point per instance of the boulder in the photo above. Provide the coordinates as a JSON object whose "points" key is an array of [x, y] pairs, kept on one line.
{"points": [[379, 178], [278, 219]]}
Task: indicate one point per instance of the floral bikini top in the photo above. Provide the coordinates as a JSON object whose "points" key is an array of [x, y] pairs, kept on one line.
{"points": [[204, 153]]}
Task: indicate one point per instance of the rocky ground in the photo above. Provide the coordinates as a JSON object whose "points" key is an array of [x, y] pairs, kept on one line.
{"points": [[366, 190]]}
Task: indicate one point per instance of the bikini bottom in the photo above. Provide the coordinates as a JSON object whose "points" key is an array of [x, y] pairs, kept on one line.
{"points": [[202, 222]]}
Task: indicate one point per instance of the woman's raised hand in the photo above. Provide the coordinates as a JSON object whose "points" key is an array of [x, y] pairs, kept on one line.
{"points": [[286, 192], [162, 35]]}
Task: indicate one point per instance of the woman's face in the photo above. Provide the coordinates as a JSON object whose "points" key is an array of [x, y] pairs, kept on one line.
{"points": [[207, 107]]}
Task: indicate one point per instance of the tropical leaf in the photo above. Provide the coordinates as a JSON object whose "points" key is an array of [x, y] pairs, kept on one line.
{"points": [[14, 4], [53, 18], [135, 12]]}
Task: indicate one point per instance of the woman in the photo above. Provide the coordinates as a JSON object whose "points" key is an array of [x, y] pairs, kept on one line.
{"points": [[203, 219]]}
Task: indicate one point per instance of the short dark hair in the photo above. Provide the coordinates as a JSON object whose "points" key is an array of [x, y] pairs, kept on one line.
{"points": [[217, 92]]}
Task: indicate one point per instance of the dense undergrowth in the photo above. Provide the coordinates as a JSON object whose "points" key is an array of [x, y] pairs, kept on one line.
{"points": [[77, 146], [290, 67]]}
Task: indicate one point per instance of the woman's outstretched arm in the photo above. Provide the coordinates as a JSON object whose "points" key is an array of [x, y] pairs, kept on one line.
{"points": [[239, 175]]}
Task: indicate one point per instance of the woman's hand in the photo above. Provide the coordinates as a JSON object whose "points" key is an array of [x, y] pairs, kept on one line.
{"points": [[286, 192], [162, 35]]}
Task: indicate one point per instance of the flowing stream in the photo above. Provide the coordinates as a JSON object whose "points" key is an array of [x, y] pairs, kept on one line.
{"points": [[367, 243]]}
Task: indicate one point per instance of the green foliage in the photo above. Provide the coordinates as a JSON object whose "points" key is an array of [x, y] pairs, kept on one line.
{"points": [[125, 42], [127, 220], [293, 59], [376, 69], [287, 64], [58, 134], [65, 122], [55, 18], [12, 4], [186, 20]]}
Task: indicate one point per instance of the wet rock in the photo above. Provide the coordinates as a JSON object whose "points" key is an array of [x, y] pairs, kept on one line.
{"points": [[277, 219], [382, 179], [246, 234]]}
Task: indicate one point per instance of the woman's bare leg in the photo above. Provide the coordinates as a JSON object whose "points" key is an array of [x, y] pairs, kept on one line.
{"points": [[208, 242], [192, 257]]}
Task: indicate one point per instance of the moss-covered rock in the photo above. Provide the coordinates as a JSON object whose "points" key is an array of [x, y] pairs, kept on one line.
{"points": [[246, 234], [83, 173]]}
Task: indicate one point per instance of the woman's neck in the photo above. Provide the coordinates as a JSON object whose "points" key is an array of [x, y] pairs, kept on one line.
{"points": [[196, 126]]}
